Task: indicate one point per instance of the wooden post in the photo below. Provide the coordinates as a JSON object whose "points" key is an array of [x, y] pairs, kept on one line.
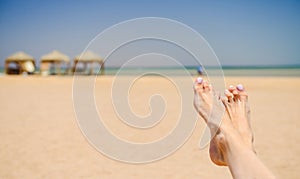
{"points": [[20, 68], [102, 68], [59, 67], [74, 66], [6, 67], [34, 67], [84, 67]]}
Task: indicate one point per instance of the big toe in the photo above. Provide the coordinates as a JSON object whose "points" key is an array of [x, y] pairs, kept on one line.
{"points": [[242, 94], [199, 85], [202, 86]]}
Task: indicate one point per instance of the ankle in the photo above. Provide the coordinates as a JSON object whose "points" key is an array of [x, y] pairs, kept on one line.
{"points": [[233, 142]]}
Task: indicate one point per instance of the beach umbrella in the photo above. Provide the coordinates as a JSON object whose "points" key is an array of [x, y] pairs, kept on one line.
{"points": [[89, 57], [20, 56], [24, 62], [55, 57]]}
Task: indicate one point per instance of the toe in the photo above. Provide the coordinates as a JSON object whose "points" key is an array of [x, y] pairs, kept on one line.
{"points": [[242, 94], [240, 87], [229, 96], [235, 95], [231, 88], [206, 86], [198, 85]]}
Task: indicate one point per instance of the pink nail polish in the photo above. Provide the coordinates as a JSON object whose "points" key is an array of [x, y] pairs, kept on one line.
{"points": [[199, 80], [240, 87]]}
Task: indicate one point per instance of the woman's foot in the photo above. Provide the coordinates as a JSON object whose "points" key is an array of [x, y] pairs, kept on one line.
{"points": [[210, 108], [232, 142], [238, 110], [235, 120]]}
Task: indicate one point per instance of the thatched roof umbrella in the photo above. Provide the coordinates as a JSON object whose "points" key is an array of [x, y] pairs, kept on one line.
{"points": [[89, 57], [24, 62], [55, 57]]}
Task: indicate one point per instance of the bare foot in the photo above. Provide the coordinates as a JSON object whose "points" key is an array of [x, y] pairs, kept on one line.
{"points": [[235, 127], [238, 110], [235, 143], [232, 142], [203, 98], [236, 118], [208, 105]]}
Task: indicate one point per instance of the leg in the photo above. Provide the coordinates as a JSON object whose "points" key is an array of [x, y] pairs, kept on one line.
{"points": [[204, 100], [234, 140], [238, 109], [232, 144]]}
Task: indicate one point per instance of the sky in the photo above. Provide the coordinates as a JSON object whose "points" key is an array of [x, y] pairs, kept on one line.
{"points": [[239, 32]]}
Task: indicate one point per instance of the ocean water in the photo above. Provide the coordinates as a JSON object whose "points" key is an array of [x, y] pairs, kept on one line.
{"points": [[280, 71], [227, 71]]}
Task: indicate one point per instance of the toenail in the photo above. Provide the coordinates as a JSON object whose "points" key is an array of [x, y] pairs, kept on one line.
{"points": [[240, 87], [199, 80], [228, 94], [231, 87], [227, 91]]}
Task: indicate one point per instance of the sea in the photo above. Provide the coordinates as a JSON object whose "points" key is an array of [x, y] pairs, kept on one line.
{"points": [[279, 71], [265, 71]]}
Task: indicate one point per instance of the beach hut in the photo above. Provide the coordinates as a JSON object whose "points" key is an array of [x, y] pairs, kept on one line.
{"points": [[19, 63], [89, 60], [55, 59]]}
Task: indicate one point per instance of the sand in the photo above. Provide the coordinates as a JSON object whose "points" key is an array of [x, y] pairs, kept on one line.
{"points": [[40, 137]]}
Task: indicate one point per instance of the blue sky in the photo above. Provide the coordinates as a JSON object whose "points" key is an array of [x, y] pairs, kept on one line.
{"points": [[241, 33]]}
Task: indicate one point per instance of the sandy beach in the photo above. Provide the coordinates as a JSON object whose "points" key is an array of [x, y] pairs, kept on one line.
{"points": [[40, 137]]}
